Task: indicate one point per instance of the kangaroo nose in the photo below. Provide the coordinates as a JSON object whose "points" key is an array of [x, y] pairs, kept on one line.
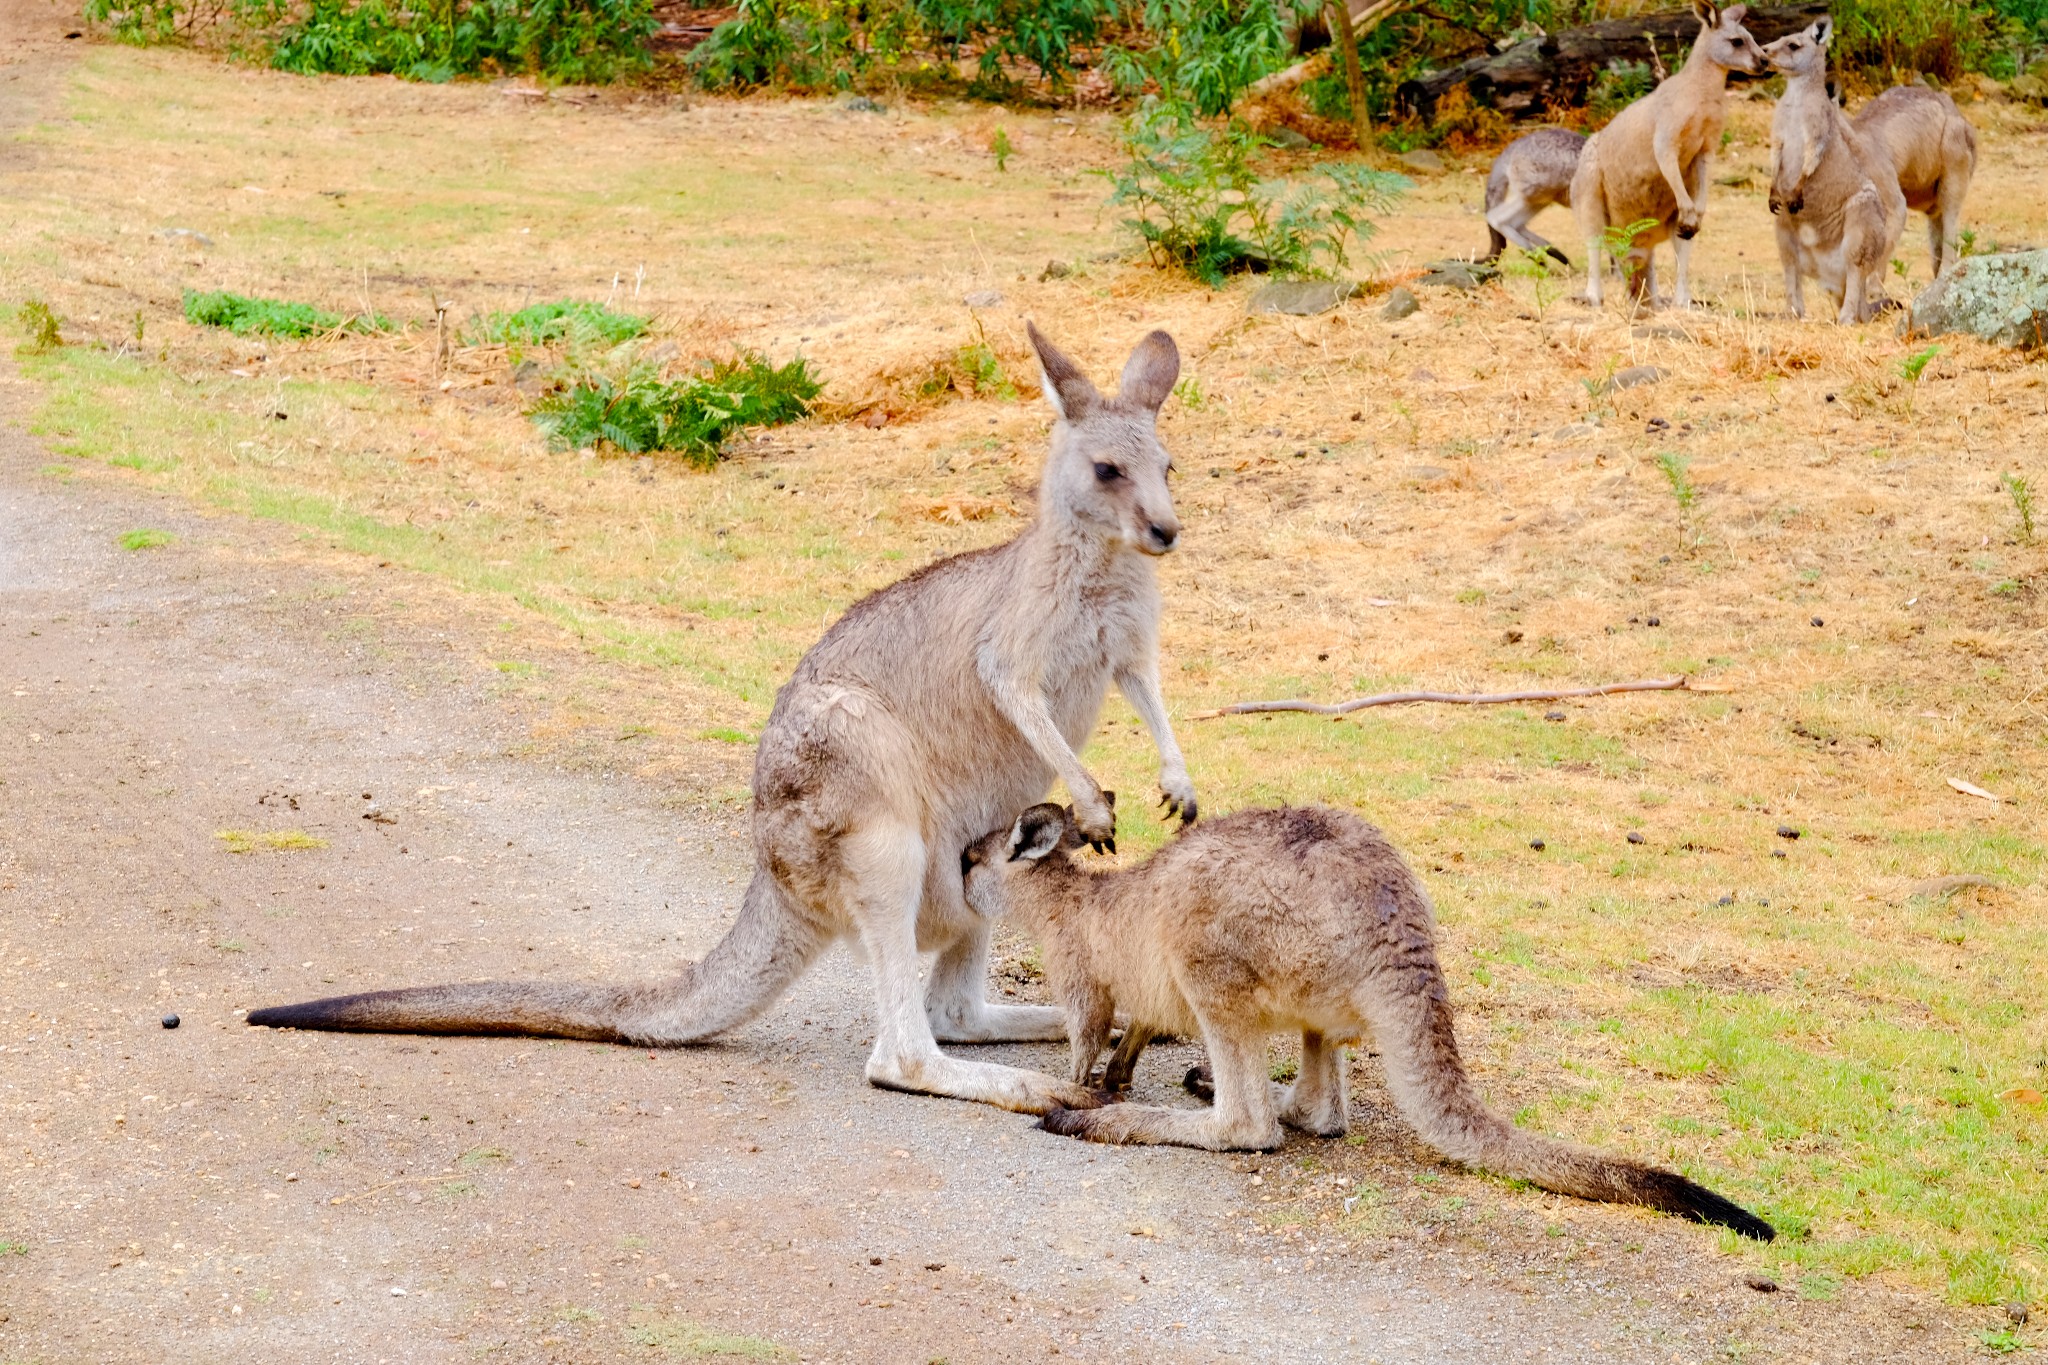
{"points": [[1164, 536]]}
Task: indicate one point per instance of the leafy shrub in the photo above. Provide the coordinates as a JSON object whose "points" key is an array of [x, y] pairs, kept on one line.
{"points": [[563, 320], [1203, 51], [581, 41], [244, 316], [1617, 87], [1199, 205], [40, 324], [693, 416]]}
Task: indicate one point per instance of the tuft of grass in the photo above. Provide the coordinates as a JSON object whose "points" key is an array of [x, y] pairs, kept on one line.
{"points": [[1000, 148], [245, 315], [1911, 367], [984, 371], [13, 1248], [40, 324], [1675, 469], [142, 538], [681, 1337], [272, 840], [2022, 494], [562, 320], [692, 417]]}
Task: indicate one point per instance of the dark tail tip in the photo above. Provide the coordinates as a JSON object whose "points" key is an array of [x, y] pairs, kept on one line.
{"points": [[1682, 1197], [1560, 257], [338, 1012]]}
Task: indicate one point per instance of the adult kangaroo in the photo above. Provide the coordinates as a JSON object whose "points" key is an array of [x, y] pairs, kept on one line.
{"points": [[933, 710], [1650, 164], [1304, 919], [1933, 149]]}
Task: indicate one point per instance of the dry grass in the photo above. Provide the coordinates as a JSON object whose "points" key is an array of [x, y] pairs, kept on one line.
{"points": [[1448, 501]]}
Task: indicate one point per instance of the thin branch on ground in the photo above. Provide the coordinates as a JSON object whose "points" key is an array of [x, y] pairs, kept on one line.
{"points": [[1248, 708]]}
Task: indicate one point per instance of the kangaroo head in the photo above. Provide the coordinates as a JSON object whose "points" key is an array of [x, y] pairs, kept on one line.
{"points": [[1723, 39], [1804, 53], [1107, 471], [997, 867]]}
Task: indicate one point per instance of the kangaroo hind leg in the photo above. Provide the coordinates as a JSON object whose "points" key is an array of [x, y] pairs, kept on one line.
{"points": [[1316, 1103], [956, 1001], [1241, 1120]]}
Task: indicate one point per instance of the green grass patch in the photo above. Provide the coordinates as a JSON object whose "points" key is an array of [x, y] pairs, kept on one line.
{"points": [[247, 316], [572, 320], [692, 417], [143, 538], [681, 1337], [269, 840]]}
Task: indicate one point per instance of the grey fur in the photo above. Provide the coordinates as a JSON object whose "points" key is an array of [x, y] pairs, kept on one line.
{"points": [[1531, 173], [1303, 919], [1933, 150], [931, 710], [1834, 193]]}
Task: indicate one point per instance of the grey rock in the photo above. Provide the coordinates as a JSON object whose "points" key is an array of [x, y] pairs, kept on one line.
{"points": [[1662, 331], [861, 104], [1634, 377], [1422, 159], [185, 237], [1458, 274], [1425, 473], [2030, 87], [983, 298], [1055, 270], [1301, 298], [1288, 138], [1400, 304], [2002, 299]]}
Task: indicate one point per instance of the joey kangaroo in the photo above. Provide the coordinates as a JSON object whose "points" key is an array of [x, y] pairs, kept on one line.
{"points": [[1299, 918], [1834, 193], [1933, 150], [1651, 162], [931, 710], [1530, 174]]}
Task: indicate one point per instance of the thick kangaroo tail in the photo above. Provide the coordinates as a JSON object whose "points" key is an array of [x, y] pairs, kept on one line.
{"points": [[767, 947], [1430, 1086]]}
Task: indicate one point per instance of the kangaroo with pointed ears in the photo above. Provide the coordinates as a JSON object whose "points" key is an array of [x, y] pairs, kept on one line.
{"points": [[932, 710]]}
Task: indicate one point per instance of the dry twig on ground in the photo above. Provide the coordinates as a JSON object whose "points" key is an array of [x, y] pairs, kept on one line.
{"points": [[1248, 708]]}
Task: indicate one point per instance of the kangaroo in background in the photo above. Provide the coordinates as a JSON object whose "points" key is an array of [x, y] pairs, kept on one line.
{"points": [[1530, 174], [1300, 918], [1651, 162], [1933, 150], [930, 711], [1835, 195]]}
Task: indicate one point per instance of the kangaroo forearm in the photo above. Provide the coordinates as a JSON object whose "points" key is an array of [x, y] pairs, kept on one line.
{"points": [[1141, 690], [1027, 711], [1673, 172]]}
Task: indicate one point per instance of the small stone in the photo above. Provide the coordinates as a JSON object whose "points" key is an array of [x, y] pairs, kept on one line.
{"points": [[1762, 1284], [1055, 270], [1553, 715], [1653, 621], [1763, 902], [1301, 298], [1511, 637], [1401, 302], [185, 237], [1787, 832], [861, 104], [396, 1292], [1725, 900], [1817, 622], [170, 1021], [498, 1284], [1777, 853], [1450, 274], [1635, 836], [2017, 1312], [874, 1260], [1635, 376], [634, 1183], [1289, 139], [1424, 160], [1538, 845], [983, 298]]}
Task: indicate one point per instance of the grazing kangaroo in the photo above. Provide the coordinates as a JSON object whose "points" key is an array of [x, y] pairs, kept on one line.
{"points": [[1933, 149], [1650, 164], [931, 710], [1530, 174], [1835, 195], [1301, 918]]}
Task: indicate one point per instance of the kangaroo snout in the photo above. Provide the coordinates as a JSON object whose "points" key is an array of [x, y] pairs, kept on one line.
{"points": [[1161, 537]]}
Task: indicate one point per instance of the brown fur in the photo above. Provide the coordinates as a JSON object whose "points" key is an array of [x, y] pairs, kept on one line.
{"points": [[1530, 174], [1651, 163], [1302, 918], [1933, 150], [931, 710]]}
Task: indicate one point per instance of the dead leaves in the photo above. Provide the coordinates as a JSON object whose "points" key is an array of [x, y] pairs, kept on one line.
{"points": [[954, 510]]}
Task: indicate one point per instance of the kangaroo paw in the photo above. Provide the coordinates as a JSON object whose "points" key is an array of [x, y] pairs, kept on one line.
{"points": [[1200, 1082]]}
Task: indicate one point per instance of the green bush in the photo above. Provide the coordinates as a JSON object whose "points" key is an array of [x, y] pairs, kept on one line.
{"points": [[1203, 51], [693, 417], [1199, 205], [582, 41], [244, 316], [563, 320]]}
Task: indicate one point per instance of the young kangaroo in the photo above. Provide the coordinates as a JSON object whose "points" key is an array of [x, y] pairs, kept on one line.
{"points": [[1303, 918], [1835, 195], [1650, 164], [1530, 174], [932, 709], [1933, 149]]}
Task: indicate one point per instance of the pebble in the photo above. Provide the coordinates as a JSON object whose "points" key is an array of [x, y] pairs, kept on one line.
{"points": [[1635, 836], [1537, 844], [1553, 715], [1653, 621], [396, 1292], [497, 1284], [1787, 832], [1818, 622], [2017, 1312], [1725, 900], [1762, 1284], [170, 1021], [983, 298], [1401, 302]]}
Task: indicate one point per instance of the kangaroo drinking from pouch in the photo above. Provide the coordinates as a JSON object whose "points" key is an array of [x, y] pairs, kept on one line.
{"points": [[1933, 150], [1651, 163], [931, 710], [1835, 195], [1530, 174], [1299, 919]]}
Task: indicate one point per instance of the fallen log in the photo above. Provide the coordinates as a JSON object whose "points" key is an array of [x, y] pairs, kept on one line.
{"points": [[1557, 70]]}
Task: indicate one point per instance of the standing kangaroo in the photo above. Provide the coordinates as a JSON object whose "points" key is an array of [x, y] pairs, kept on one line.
{"points": [[1650, 164], [1835, 195], [1530, 174], [932, 709], [1933, 150], [1302, 918]]}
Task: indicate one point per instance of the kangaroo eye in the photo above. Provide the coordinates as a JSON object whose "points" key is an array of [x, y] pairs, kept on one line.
{"points": [[1108, 473]]}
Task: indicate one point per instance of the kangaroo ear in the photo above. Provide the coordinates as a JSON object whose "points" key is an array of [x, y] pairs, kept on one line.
{"points": [[1734, 15], [1038, 832], [1149, 373], [1824, 31], [1704, 12], [1070, 392]]}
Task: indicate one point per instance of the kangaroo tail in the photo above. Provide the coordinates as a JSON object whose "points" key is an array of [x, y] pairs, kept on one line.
{"points": [[767, 948], [1430, 1086]]}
